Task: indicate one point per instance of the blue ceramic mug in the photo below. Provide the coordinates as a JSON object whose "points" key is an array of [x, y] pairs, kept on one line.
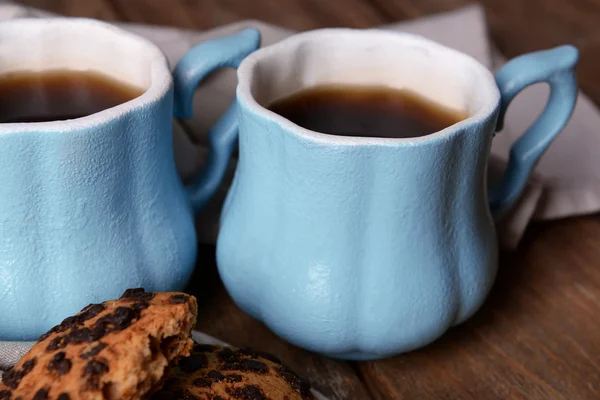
{"points": [[365, 247], [94, 205]]}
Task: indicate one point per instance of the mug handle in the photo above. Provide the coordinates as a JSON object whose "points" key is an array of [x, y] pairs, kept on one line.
{"points": [[557, 68], [228, 51]]}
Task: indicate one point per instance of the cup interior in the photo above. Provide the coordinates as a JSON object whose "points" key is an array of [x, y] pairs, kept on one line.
{"points": [[370, 58], [76, 45]]}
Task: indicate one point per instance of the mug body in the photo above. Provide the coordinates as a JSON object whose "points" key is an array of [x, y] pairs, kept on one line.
{"points": [[360, 247], [90, 206]]}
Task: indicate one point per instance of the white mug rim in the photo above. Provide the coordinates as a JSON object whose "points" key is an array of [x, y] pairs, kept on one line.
{"points": [[160, 82], [246, 71]]}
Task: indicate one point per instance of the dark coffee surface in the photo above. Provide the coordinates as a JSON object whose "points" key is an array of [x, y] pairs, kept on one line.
{"points": [[27, 96], [367, 111]]}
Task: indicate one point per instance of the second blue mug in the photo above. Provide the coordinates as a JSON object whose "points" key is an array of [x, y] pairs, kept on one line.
{"points": [[364, 247]]}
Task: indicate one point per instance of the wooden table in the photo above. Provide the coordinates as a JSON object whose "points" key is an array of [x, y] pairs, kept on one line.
{"points": [[538, 335]]}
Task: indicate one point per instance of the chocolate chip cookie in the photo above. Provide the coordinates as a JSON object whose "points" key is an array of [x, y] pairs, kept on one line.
{"points": [[116, 350], [223, 373]]}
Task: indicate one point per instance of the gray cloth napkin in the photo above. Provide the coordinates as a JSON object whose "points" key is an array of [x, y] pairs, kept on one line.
{"points": [[566, 182], [10, 352]]}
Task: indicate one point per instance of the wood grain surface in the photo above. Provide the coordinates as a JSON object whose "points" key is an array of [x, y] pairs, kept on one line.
{"points": [[538, 335]]}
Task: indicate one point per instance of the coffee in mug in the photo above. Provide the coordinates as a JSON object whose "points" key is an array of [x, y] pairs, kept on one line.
{"points": [[30, 96], [366, 111]]}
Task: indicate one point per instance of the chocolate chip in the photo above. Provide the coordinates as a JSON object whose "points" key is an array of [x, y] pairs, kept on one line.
{"points": [[132, 292], [63, 396], [118, 320], [256, 354], [254, 366], [138, 307], [299, 384], [122, 317], [248, 392], [76, 336], [93, 351], [146, 296], [90, 312], [193, 363], [28, 366], [137, 294], [68, 323], [60, 363], [82, 335], [203, 348], [47, 334], [5, 395], [189, 396], [218, 398], [233, 378], [179, 299], [12, 378], [95, 367], [227, 355], [215, 376], [101, 329], [41, 394], [56, 343], [202, 382], [247, 365]]}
